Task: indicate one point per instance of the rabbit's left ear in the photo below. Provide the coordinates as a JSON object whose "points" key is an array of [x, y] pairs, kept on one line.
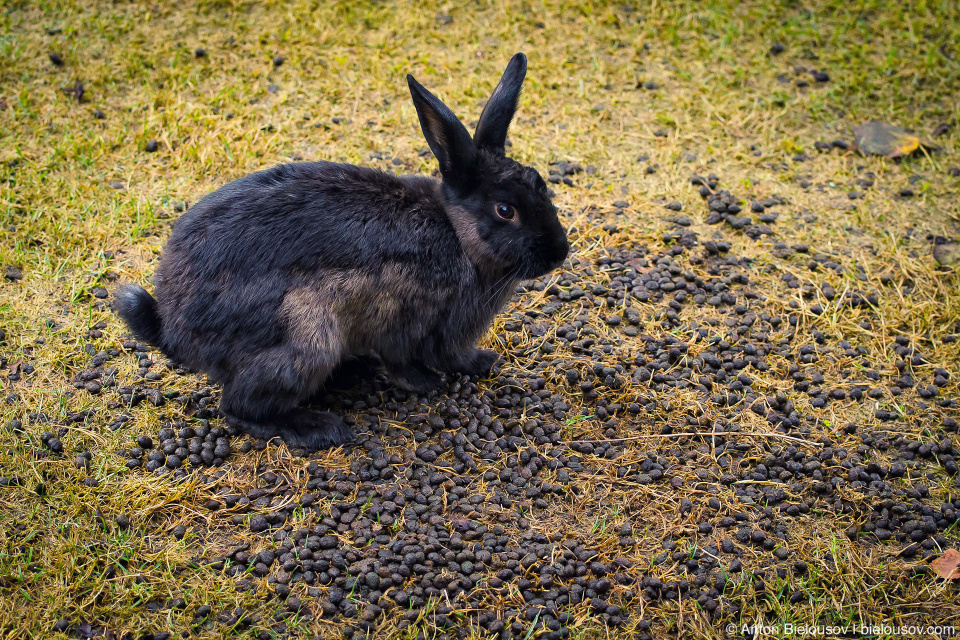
{"points": [[491, 131], [447, 137]]}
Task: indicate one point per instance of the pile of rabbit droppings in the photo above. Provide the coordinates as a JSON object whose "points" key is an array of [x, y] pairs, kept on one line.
{"points": [[736, 399], [454, 491]]}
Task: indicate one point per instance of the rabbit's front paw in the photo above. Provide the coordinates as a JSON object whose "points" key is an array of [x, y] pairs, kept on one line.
{"points": [[416, 378], [315, 430], [481, 363], [299, 428]]}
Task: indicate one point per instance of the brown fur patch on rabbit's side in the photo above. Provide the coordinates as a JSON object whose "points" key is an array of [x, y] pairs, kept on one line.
{"points": [[393, 288], [357, 302], [310, 322]]}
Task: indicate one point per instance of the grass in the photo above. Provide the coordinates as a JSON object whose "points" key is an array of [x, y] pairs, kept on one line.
{"points": [[83, 205]]}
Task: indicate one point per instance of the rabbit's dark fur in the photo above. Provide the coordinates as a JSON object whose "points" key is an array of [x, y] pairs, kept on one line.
{"points": [[271, 281]]}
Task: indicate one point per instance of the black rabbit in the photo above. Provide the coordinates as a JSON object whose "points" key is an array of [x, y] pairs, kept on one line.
{"points": [[272, 280]]}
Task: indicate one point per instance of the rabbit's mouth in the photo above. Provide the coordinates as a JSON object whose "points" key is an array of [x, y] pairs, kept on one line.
{"points": [[541, 267], [552, 253]]}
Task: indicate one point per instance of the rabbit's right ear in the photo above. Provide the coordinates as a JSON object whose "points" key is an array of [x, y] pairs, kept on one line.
{"points": [[498, 112], [447, 137]]}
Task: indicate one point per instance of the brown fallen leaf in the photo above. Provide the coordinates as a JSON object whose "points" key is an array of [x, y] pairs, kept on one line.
{"points": [[947, 566], [884, 139], [947, 253], [15, 367]]}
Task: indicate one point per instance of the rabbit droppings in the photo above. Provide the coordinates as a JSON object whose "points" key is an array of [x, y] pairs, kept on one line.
{"points": [[272, 280]]}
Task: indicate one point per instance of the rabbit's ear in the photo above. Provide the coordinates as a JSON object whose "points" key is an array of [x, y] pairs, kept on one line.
{"points": [[492, 130], [447, 137]]}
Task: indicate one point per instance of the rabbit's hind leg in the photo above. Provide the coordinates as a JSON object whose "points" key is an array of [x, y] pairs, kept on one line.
{"points": [[263, 398]]}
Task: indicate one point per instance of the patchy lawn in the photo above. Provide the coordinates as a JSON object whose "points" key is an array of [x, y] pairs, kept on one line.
{"points": [[736, 404]]}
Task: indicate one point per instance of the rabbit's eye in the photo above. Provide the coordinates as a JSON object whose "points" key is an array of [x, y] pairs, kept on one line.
{"points": [[506, 212]]}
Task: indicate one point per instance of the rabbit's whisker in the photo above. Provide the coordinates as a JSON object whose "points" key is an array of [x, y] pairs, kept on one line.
{"points": [[498, 287]]}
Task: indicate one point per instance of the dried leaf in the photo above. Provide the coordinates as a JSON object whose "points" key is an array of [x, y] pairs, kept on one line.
{"points": [[947, 253], [15, 367], [947, 566], [885, 139]]}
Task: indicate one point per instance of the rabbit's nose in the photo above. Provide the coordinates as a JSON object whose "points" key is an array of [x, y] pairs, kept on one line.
{"points": [[561, 250], [563, 244]]}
